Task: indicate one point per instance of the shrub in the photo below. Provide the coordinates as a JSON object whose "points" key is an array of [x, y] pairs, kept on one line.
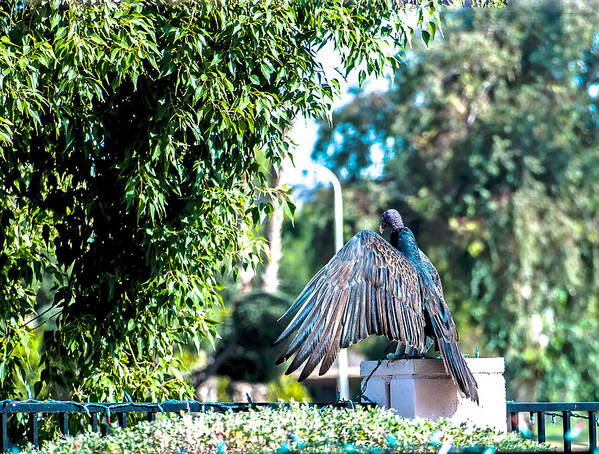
{"points": [[297, 429]]}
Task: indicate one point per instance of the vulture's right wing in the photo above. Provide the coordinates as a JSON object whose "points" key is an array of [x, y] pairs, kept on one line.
{"points": [[446, 333], [432, 271], [367, 288]]}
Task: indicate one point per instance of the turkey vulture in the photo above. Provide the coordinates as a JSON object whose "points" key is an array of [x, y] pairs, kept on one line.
{"points": [[369, 287]]}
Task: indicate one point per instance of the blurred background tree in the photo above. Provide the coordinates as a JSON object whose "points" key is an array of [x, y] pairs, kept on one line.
{"points": [[489, 149]]}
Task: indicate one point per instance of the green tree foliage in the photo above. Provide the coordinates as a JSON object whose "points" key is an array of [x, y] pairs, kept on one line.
{"points": [[490, 143], [130, 133]]}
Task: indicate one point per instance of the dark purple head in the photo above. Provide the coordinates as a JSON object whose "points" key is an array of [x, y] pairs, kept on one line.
{"points": [[391, 219]]}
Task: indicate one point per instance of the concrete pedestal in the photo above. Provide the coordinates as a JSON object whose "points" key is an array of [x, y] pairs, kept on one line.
{"points": [[421, 388]]}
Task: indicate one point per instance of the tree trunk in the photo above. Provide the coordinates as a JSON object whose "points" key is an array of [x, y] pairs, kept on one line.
{"points": [[245, 278], [274, 227]]}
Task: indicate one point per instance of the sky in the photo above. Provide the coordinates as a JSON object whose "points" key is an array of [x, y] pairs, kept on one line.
{"points": [[305, 131]]}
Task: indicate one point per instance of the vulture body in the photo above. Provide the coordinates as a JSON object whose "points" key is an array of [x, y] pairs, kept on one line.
{"points": [[369, 287]]}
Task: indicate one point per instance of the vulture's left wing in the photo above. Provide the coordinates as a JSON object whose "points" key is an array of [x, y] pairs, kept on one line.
{"points": [[367, 288]]}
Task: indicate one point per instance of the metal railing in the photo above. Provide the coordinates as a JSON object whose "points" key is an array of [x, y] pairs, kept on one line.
{"points": [[564, 410], [35, 409]]}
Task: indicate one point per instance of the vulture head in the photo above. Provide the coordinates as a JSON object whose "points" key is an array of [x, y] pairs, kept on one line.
{"points": [[391, 219]]}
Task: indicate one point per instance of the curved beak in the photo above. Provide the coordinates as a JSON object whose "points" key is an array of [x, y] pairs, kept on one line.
{"points": [[381, 229]]}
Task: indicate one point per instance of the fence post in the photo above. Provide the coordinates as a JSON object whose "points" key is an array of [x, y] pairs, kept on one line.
{"points": [[541, 426], [3, 432], [592, 431], [94, 422], [123, 419], [33, 429], [64, 423], [566, 426]]}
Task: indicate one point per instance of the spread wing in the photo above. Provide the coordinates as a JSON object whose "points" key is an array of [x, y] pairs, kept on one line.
{"points": [[367, 288], [446, 332], [432, 272], [438, 310]]}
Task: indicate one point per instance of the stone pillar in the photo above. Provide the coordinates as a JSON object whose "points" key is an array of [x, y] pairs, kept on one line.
{"points": [[421, 388]]}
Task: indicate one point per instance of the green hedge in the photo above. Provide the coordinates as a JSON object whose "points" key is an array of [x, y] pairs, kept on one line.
{"points": [[299, 429]]}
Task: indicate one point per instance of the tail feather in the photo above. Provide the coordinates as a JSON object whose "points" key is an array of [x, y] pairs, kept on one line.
{"points": [[447, 336], [458, 369]]}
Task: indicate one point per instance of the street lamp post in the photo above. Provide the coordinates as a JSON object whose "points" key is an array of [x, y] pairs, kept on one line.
{"points": [[342, 379]]}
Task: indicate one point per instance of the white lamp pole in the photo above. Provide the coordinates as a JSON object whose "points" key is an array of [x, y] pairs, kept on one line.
{"points": [[342, 380]]}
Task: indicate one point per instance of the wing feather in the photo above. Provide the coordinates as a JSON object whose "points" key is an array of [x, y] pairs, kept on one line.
{"points": [[335, 346], [306, 292], [391, 316], [432, 271], [312, 336], [367, 288], [446, 332]]}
